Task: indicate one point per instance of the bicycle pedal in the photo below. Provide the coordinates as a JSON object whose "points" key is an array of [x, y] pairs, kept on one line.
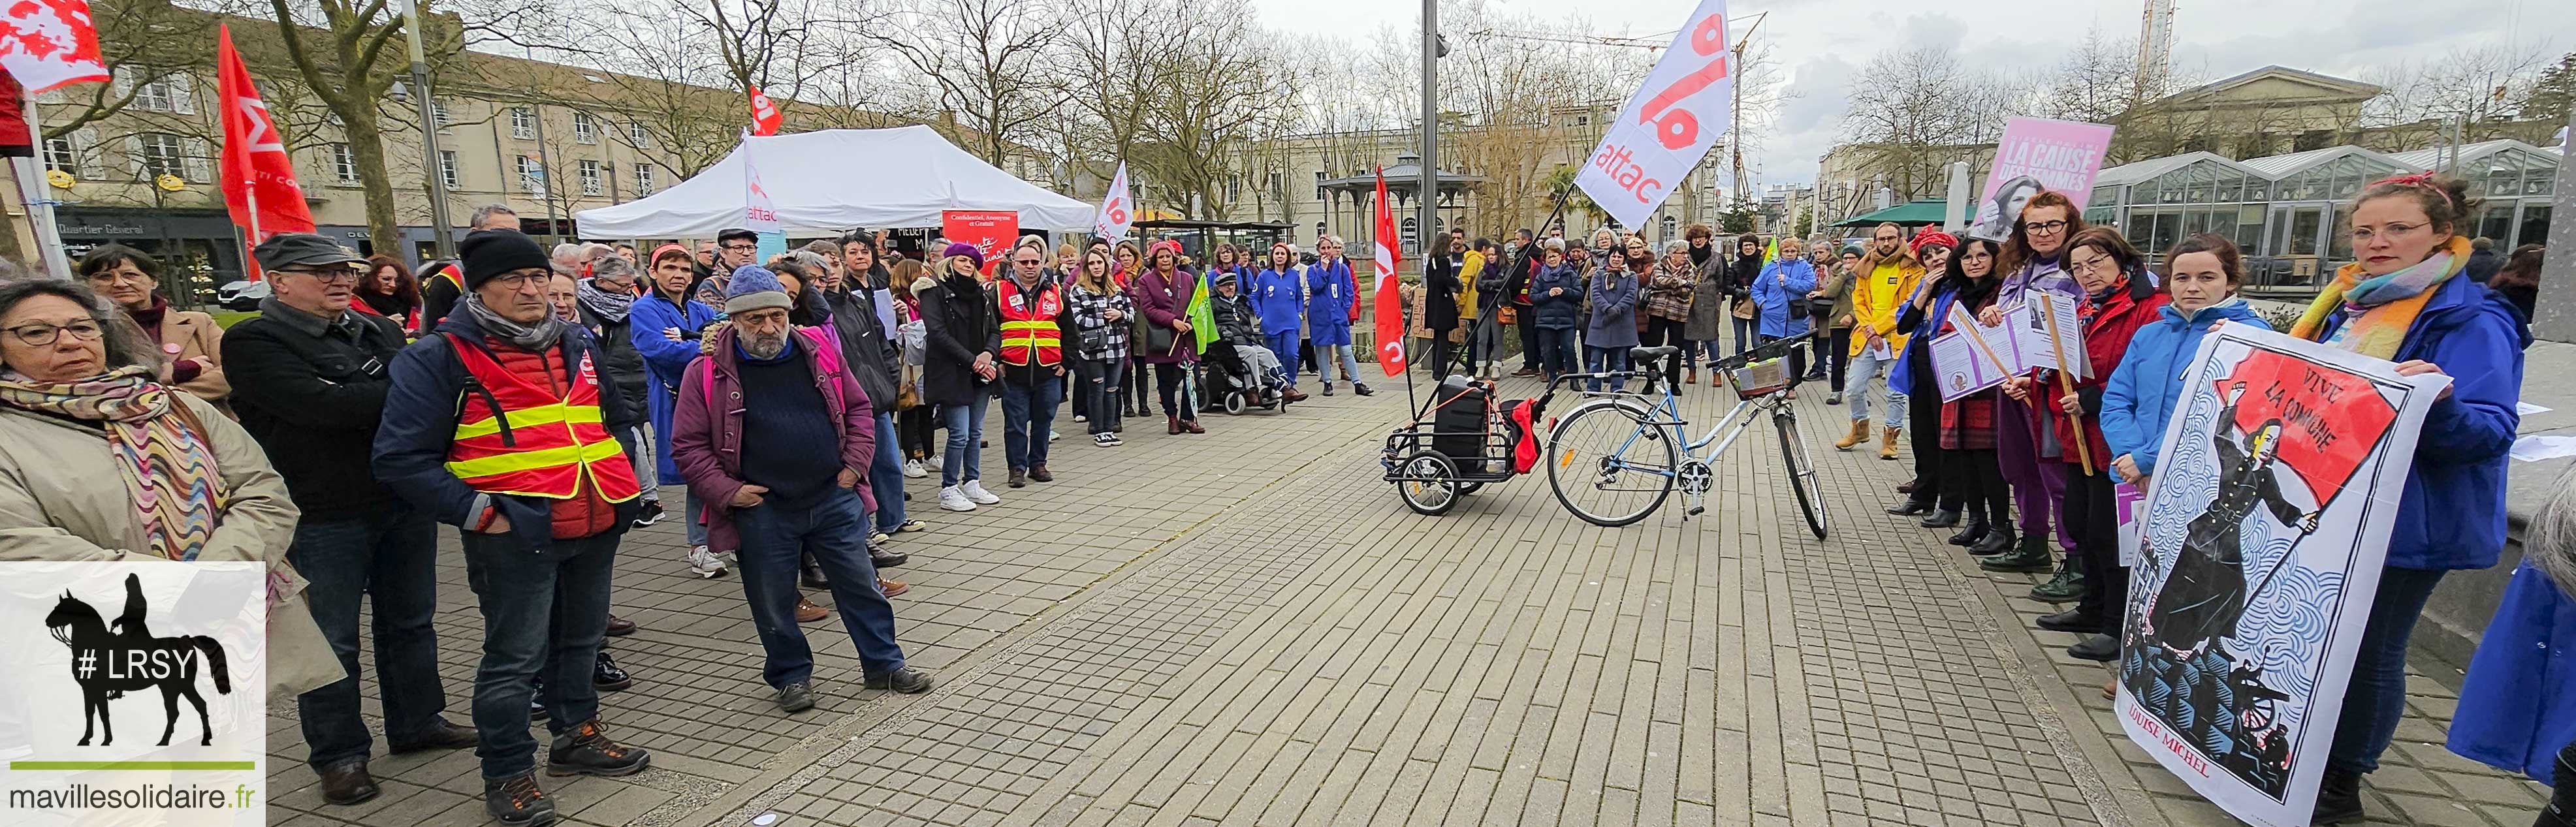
{"points": [[1694, 511]]}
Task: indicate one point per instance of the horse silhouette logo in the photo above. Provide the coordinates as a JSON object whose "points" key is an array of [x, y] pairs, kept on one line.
{"points": [[108, 661]]}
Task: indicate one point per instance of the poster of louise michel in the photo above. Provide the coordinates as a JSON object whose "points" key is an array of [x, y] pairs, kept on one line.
{"points": [[2264, 530]]}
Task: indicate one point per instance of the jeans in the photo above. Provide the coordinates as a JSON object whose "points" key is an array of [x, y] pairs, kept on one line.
{"points": [[1748, 332], [693, 513], [1601, 359], [885, 475], [1028, 414], [1284, 345], [1555, 351], [1833, 355], [2376, 698], [1097, 385], [542, 609], [1485, 344], [640, 449], [390, 556], [834, 532], [1329, 355], [1167, 384], [1866, 372], [964, 458]]}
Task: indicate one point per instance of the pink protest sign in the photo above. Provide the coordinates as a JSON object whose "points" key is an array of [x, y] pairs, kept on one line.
{"points": [[2037, 154]]}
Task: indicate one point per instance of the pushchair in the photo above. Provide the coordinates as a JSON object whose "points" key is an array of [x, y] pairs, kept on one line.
{"points": [[1243, 377]]}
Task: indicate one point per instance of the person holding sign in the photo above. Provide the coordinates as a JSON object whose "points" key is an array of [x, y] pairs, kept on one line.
{"points": [[2120, 297], [2031, 265], [1886, 277], [1914, 378], [1967, 424], [2403, 301]]}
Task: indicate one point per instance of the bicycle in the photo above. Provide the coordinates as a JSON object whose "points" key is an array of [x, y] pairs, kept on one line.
{"points": [[1628, 445]]}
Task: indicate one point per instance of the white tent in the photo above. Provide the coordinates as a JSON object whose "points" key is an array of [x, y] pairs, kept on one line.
{"points": [[829, 181]]}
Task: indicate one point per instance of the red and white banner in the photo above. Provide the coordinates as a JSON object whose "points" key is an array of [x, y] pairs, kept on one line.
{"points": [[259, 184], [49, 44], [765, 116], [760, 214], [991, 231], [1390, 299], [1668, 125], [1117, 213]]}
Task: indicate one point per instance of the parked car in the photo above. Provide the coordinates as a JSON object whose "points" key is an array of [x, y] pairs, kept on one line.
{"points": [[241, 295]]}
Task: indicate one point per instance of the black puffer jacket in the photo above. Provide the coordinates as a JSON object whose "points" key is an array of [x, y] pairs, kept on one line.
{"points": [[956, 325], [618, 360], [864, 344], [1235, 320]]}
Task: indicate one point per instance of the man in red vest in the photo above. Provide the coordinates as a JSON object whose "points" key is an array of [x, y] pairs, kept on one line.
{"points": [[443, 282], [498, 424], [1028, 337]]}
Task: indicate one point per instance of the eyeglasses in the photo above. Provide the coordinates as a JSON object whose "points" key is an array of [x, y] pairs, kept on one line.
{"points": [[40, 334], [2095, 264], [741, 248], [334, 274], [2364, 235], [114, 276], [1028, 261], [2044, 226], [522, 279]]}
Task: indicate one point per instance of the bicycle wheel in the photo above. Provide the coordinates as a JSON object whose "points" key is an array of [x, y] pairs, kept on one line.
{"points": [[1428, 483], [1609, 463], [1802, 475]]}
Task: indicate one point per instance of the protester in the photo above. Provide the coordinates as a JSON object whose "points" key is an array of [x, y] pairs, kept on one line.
{"points": [[1745, 313], [1913, 378], [1162, 297], [2519, 280], [2484, 261], [1556, 303], [1239, 349], [913, 426], [775, 497], [1102, 317], [2515, 705], [1028, 335], [1829, 308], [2031, 264], [1480, 307], [664, 327], [1332, 305], [1441, 285], [2401, 302], [2202, 275], [735, 249], [1131, 263], [604, 305], [560, 295], [189, 341], [528, 470], [1612, 291], [1279, 296], [1886, 275], [958, 371], [1782, 284], [856, 294], [1515, 290], [1669, 296], [1967, 424], [441, 283], [389, 290], [2120, 297]]}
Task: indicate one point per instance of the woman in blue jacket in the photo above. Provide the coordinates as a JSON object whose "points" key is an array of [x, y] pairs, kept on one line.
{"points": [[1279, 298], [2404, 301], [1332, 293], [1612, 290], [664, 326], [1556, 299], [2205, 271], [1786, 280]]}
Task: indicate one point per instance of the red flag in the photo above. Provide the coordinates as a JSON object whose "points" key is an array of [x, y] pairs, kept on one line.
{"points": [[258, 178], [764, 116], [1390, 301], [2329, 419], [50, 44]]}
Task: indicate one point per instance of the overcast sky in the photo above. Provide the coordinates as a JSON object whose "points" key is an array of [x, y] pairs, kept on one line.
{"points": [[1821, 43]]}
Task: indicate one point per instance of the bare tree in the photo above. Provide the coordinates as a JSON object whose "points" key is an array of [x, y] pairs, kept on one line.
{"points": [[2475, 89], [984, 60], [1915, 111]]}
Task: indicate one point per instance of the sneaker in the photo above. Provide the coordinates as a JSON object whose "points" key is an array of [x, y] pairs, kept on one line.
{"points": [[912, 468], [1104, 439], [879, 538], [1328, 389], [975, 491], [954, 498], [1053, 436], [606, 677], [1361, 389], [586, 750], [909, 526], [906, 680], [705, 564], [652, 513], [517, 802], [795, 697], [1115, 440], [1081, 418], [537, 705]]}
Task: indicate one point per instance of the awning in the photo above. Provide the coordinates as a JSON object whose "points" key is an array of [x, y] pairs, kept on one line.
{"points": [[1909, 213], [831, 180]]}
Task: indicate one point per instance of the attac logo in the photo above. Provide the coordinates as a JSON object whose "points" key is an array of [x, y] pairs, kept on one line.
{"points": [[111, 660]]}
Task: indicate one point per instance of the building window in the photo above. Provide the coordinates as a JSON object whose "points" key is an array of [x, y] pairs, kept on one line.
{"points": [[1319, 231], [438, 113], [590, 184], [532, 175], [1412, 230], [60, 154], [447, 167], [644, 179], [523, 123], [636, 136], [168, 93], [1319, 184], [344, 163], [585, 129], [157, 154]]}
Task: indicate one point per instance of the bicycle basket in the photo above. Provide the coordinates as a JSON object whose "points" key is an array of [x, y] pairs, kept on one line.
{"points": [[1757, 379]]}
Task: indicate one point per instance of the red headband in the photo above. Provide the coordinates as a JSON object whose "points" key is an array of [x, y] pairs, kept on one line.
{"points": [[2421, 180]]}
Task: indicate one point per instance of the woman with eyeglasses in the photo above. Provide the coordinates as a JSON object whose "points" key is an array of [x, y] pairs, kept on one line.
{"points": [[1966, 425], [2031, 264], [189, 342], [390, 290], [2404, 301]]}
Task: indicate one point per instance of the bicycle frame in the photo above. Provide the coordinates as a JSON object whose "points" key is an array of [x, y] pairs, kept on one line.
{"points": [[1665, 413]]}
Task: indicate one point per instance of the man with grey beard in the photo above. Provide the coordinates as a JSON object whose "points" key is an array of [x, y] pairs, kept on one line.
{"points": [[750, 459]]}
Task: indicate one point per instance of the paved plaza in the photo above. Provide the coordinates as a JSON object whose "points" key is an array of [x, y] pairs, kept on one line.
{"points": [[1247, 627]]}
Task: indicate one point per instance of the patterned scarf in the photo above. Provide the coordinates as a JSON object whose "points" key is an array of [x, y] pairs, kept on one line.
{"points": [[2379, 310], [169, 468], [611, 306]]}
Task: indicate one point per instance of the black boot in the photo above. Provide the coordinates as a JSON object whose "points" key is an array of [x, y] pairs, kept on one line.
{"points": [[1996, 539], [2561, 811], [1911, 507], [813, 575], [606, 677], [1969, 534], [1943, 518], [2030, 555], [2338, 798]]}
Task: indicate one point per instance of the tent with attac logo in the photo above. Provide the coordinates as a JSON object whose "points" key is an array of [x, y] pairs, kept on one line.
{"points": [[832, 180]]}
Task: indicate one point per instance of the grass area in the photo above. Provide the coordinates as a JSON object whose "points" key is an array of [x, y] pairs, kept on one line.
{"points": [[226, 318]]}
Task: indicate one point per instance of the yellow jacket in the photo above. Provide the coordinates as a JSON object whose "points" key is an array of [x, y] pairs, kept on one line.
{"points": [[1876, 296], [1474, 265]]}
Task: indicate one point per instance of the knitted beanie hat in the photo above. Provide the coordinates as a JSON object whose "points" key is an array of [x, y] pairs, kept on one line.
{"points": [[753, 287]]}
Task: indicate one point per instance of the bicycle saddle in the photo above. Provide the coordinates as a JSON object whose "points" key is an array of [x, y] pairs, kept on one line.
{"points": [[1639, 354]]}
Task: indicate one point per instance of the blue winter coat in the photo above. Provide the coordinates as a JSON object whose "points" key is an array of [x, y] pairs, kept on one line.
{"points": [[1613, 294], [1901, 380], [2452, 515], [1328, 305], [2515, 711], [1559, 312], [665, 362], [1279, 298], [2139, 399], [1774, 298]]}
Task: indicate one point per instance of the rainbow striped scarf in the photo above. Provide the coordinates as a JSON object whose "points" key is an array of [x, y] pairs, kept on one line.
{"points": [[169, 468], [2380, 309]]}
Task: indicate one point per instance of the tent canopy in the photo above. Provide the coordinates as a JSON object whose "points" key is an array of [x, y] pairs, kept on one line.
{"points": [[836, 179], [1909, 213]]}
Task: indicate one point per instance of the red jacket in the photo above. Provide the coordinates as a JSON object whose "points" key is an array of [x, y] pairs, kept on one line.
{"points": [[588, 512], [2108, 327]]}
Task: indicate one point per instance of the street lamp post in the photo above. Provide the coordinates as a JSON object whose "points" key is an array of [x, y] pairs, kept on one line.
{"points": [[440, 228], [1429, 209]]}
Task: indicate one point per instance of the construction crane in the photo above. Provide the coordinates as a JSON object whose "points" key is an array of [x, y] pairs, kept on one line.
{"points": [[2155, 49]]}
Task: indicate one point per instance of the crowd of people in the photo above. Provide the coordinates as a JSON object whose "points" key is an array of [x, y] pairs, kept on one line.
{"points": [[542, 400]]}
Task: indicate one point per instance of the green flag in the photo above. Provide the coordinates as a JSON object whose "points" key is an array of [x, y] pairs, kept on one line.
{"points": [[1202, 316]]}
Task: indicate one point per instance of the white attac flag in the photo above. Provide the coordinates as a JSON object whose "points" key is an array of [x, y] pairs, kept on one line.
{"points": [[1668, 125], [1117, 211], [760, 215]]}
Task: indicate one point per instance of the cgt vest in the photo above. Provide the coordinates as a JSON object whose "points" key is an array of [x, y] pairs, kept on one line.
{"points": [[517, 437], [1030, 325]]}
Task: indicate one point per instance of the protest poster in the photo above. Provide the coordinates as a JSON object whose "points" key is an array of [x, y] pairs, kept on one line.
{"points": [[2131, 507], [2266, 524], [2038, 154], [1962, 367], [991, 231], [2049, 334], [1667, 125]]}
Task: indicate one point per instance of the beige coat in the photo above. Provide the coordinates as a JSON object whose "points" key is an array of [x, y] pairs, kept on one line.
{"points": [[196, 335], [60, 499]]}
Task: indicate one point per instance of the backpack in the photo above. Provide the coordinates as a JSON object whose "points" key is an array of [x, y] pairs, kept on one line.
{"points": [[827, 358]]}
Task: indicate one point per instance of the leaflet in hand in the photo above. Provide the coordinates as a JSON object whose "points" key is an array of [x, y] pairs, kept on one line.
{"points": [[1973, 356]]}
